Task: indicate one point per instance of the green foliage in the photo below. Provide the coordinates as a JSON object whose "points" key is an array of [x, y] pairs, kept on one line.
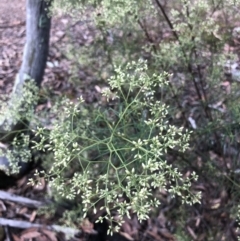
{"points": [[117, 154], [18, 111], [106, 12], [118, 35], [21, 105], [18, 154]]}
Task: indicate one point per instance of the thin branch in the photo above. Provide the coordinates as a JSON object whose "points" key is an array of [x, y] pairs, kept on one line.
{"points": [[149, 38], [24, 225], [13, 25], [189, 66], [22, 200], [167, 19]]}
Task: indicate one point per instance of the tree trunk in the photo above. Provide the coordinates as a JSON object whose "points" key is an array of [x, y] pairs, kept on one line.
{"points": [[38, 25], [35, 54]]}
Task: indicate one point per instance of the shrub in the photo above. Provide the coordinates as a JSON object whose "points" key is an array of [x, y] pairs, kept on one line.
{"points": [[116, 154]]}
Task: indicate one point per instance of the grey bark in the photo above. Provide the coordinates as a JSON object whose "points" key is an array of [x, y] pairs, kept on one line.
{"points": [[38, 26], [35, 54]]}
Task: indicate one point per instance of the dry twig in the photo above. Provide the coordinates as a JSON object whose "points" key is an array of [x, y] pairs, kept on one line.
{"points": [[22, 200], [24, 225]]}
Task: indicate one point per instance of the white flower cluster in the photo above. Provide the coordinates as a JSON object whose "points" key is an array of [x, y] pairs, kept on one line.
{"points": [[117, 154]]}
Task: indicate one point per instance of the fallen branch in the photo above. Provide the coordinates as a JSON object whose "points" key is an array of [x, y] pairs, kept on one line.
{"points": [[13, 25], [24, 225], [22, 200]]}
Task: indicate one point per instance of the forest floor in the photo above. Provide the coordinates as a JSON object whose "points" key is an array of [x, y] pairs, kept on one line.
{"points": [[12, 11]]}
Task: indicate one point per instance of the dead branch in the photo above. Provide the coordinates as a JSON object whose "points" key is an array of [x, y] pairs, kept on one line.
{"points": [[24, 225], [22, 200]]}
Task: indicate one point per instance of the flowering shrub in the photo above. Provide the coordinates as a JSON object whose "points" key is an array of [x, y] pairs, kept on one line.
{"points": [[116, 154]]}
